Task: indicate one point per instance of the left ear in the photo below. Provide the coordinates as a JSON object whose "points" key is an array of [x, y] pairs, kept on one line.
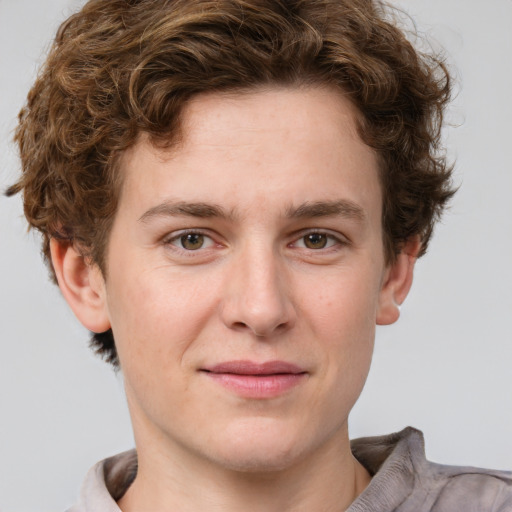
{"points": [[397, 282]]}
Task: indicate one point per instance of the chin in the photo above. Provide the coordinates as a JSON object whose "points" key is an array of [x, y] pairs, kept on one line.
{"points": [[263, 448], [258, 461]]}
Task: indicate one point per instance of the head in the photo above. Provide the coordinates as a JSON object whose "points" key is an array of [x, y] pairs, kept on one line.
{"points": [[123, 70], [245, 274]]}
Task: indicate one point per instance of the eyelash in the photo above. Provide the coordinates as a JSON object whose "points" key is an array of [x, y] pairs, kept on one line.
{"points": [[178, 236], [336, 242]]}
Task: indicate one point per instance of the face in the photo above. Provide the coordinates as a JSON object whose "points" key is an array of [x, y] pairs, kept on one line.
{"points": [[245, 276]]}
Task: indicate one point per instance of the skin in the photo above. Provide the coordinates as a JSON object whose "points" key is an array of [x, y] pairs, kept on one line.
{"points": [[272, 278]]}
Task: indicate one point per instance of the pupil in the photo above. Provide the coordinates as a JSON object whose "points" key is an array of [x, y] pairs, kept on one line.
{"points": [[316, 241], [192, 241]]}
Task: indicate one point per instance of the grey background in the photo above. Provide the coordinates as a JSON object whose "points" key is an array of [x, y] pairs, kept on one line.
{"points": [[445, 367]]}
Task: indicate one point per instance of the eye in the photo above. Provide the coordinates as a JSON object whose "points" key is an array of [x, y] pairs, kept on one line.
{"points": [[191, 241], [316, 241]]}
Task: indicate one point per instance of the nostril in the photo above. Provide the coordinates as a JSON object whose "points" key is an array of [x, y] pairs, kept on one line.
{"points": [[259, 315], [260, 334]]}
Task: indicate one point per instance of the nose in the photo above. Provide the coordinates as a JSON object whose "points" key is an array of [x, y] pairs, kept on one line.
{"points": [[257, 294]]}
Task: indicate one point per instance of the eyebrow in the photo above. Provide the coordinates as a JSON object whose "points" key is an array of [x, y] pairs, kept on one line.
{"points": [[182, 208], [340, 207]]}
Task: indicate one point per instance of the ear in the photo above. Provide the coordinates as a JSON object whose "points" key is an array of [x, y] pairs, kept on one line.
{"points": [[397, 282], [82, 285]]}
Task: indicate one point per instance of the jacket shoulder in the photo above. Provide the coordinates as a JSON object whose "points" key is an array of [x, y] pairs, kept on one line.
{"points": [[470, 489]]}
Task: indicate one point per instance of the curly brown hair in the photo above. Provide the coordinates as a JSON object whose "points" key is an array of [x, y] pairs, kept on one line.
{"points": [[120, 68]]}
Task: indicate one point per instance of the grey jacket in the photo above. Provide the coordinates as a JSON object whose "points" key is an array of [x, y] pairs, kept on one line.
{"points": [[403, 480]]}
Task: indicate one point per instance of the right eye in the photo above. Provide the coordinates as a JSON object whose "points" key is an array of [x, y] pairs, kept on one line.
{"points": [[191, 241]]}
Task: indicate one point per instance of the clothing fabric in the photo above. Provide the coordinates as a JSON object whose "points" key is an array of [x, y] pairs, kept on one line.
{"points": [[403, 480]]}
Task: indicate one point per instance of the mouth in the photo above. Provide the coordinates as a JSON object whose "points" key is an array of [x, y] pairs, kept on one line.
{"points": [[256, 380]]}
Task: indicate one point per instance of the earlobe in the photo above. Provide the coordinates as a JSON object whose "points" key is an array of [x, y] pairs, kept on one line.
{"points": [[397, 283], [81, 284]]}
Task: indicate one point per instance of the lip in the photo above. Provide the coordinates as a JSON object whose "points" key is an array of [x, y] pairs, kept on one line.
{"points": [[256, 380]]}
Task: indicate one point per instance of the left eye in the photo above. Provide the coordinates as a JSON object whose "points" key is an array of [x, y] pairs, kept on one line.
{"points": [[316, 241], [192, 241]]}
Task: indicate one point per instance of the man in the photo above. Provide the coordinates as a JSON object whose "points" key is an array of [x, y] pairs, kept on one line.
{"points": [[236, 193]]}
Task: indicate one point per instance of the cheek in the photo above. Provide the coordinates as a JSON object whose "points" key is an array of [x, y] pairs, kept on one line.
{"points": [[155, 316], [342, 316], [344, 309], [155, 321]]}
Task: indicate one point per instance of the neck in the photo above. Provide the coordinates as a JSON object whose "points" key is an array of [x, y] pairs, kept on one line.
{"points": [[326, 481]]}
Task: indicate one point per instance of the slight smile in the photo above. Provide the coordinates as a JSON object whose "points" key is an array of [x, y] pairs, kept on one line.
{"points": [[256, 380]]}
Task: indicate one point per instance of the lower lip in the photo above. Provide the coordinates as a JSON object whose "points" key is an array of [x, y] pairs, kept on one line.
{"points": [[258, 386]]}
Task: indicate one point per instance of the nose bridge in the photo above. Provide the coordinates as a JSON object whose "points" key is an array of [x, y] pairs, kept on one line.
{"points": [[257, 293]]}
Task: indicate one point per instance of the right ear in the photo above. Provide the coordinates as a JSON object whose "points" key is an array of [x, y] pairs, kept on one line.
{"points": [[82, 285]]}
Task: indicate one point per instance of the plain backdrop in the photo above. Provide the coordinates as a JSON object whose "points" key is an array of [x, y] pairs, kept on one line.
{"points": [[445, 367]]}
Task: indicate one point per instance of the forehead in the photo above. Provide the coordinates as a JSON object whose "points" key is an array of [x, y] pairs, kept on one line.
{"points": [[278, 145], [302, 120]]}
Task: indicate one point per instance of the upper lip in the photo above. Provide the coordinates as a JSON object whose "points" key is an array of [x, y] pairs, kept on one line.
{"points": [[252, 368]]}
